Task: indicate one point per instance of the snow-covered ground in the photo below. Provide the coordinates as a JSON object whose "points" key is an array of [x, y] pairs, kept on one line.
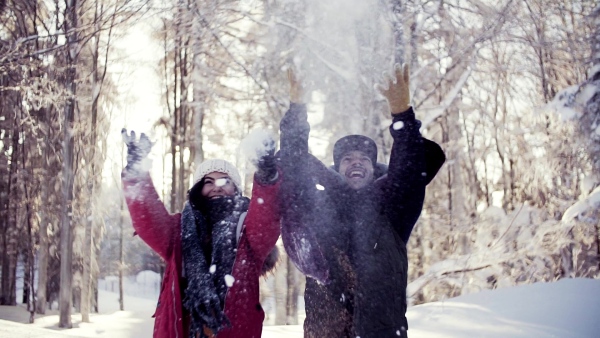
{"points": [[568, 308]]}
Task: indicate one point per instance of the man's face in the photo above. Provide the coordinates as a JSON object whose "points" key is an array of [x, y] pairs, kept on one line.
{"points": [[356, 168], [217, 185]]}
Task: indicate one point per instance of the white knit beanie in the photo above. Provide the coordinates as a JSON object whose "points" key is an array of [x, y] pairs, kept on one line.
{"points": [[218, 165]]}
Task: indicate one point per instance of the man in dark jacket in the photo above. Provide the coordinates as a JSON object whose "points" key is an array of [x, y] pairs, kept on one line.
{"points": [[346, 227]]}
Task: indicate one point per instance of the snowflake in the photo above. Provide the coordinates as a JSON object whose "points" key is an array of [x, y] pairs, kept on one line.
{"points": [[229, 279]]}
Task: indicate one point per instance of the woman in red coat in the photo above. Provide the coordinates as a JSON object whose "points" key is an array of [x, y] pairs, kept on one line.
{"points": [[215, 249]]}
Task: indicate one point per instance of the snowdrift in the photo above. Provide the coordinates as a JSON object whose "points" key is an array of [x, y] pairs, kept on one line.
{"points": [[568, 308]]}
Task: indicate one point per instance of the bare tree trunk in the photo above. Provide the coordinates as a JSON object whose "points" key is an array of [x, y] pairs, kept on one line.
{"points": [[175, 125], [42, 263], [43, 234], [592, 104], [399, 16], [95, 289], [88, 256], [26, 277], [458, 211], [414, 42], [367, 38], [94, 286], [30, 273], [66, 236], [293, 290], [597, 240], [121, 258], [3, 255], [280, 295], [183, 112], [28, 255], [8, 295], [198, 104], [567, 268]]}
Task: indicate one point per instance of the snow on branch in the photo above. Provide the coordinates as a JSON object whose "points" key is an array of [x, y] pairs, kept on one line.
{"points": [[529, 249], [448, 267], [433, 113], [577, 209], [569, 103]]}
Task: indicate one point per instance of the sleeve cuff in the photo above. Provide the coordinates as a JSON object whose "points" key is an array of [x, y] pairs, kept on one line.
{"points": [[266, 182], [406, 115], [296, 105]]}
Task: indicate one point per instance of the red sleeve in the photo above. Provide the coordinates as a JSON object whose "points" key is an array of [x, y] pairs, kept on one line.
{"points": [[151, 220], [262, 222]]}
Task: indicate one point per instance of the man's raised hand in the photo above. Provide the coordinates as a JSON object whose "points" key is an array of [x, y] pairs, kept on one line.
{"points": [[397, 92], [296, 86]]}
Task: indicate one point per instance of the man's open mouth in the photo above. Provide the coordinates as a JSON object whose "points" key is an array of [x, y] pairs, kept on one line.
{"points": [[356, 173]]}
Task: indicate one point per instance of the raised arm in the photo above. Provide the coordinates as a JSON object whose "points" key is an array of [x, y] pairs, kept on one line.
{"points": [[299, 195], [298, 165], [151, 220], [261, 226], [414, 160], [294, 130]]}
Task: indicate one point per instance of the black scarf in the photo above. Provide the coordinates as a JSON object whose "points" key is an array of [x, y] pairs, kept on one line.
{"points": [[208, 250]]}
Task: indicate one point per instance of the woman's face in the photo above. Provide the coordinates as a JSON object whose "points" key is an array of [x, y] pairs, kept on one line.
{"points": [[216, 185]]}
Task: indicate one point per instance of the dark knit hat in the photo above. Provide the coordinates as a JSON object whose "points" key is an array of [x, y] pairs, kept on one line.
{"points": [[351, 143]]}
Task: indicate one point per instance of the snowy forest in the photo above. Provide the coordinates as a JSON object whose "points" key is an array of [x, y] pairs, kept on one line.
{"points": [[509, 89]]}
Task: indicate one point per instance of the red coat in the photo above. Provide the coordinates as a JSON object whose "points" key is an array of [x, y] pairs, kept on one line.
{"points": [[162, 232]]}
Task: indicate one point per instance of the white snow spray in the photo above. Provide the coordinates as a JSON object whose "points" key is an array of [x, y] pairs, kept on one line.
{"points": [[256, 144], [229, 280], [341, 48]]}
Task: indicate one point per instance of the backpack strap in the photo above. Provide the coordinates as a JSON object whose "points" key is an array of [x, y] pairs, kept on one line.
{"points": [[240, 226]]}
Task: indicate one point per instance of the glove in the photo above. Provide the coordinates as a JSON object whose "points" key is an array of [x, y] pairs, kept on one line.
{"points": [[137, 151], [398, 91], [266, 164], [296, 87]]}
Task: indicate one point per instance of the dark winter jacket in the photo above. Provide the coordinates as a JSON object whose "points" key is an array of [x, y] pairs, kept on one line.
{"points": [[351, 243], [162, 232]]}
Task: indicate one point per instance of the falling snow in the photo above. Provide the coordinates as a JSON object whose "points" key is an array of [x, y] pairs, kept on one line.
{"points": [[229, 280], [221, 182], [398, 125]]}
